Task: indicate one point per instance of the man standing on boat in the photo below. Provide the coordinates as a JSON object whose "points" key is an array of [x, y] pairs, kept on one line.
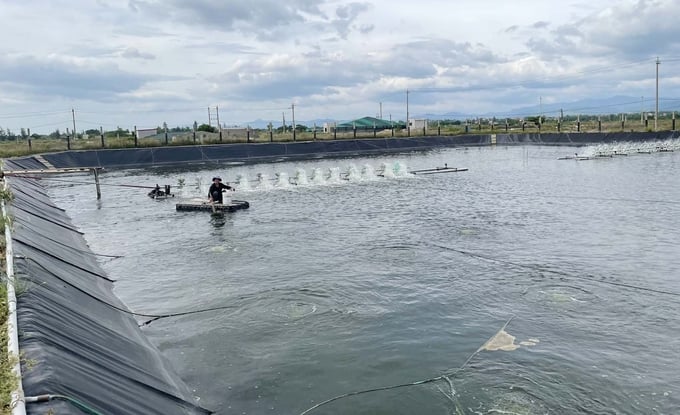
{"points": [[216, 189]]}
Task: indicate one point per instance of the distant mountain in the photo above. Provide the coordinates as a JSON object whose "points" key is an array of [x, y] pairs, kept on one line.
{"points": [[611, 105]]}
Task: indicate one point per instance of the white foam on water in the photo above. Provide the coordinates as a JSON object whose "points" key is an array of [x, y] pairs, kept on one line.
{"points": [[263, 182], [318, 176], [400, 169], [334, 177], [243, 183], [387, 171], [368, 173], [282, 180], [301, 177], [630, 147], [353, 174]]}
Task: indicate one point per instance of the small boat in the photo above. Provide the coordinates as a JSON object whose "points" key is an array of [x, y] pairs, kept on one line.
{"points": [[201, 204]]}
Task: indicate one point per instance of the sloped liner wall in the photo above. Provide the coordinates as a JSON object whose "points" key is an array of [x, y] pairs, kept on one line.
{"points": [[76, 337]]}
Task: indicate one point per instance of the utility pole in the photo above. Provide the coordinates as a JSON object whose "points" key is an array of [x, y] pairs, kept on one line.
{"points": [[407, 125], [292, 108], [219, 126], [73, 114], [209, 119], [656, 114], [381, 110]]}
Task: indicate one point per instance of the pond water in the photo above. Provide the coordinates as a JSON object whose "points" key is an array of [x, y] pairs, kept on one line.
{"points": [[525, 285]]}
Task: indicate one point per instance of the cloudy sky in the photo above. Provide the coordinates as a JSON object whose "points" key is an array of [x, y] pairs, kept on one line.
{"points": [[143, 62]]}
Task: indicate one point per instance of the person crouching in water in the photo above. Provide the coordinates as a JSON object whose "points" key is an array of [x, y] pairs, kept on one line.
{"points": [[216, 189]]}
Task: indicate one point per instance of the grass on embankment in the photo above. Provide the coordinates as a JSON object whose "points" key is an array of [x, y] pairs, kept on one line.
{"points": [[8, 380]]}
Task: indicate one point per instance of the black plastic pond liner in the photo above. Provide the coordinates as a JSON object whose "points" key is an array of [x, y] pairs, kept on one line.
{"points": [[77, 338], [259, 152], [248, 152]]}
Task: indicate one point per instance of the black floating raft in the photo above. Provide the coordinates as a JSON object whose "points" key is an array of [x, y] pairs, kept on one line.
{"points": [[210, 207]]}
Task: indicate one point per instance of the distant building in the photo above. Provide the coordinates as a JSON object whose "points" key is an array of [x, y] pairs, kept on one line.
{"points": [[146, 132], [417, 124], [362, 124]]}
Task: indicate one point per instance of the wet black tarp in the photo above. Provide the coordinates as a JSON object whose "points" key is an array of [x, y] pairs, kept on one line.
{"points": [[259, 152], [251, 152], [76, 337]]}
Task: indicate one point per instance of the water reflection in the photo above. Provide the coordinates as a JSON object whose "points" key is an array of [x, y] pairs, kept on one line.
{"points": [[218, 219]]}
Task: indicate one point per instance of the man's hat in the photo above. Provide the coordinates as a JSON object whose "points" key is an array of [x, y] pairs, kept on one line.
{"points": [[217, 178]]}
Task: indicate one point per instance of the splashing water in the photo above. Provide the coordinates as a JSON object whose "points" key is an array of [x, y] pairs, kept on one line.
{"points": [[243, 183], [282, 180], [624, 148], [400, 169], [301, 177], [387, 171], [353, 174], [368, 173], [263, 182], [318, 177], [334, 176]]}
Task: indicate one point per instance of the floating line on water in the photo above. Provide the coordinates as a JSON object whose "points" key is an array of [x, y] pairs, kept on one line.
{"points": [[603, 199], [588, 277], [446, 376], [154, 317], [24, 224]]}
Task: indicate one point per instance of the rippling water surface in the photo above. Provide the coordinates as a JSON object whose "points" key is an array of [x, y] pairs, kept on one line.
{"points": [[341, 286]]}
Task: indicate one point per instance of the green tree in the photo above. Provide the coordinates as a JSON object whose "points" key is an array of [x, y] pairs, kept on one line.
{"points": [[55, 134], [206, 128]]}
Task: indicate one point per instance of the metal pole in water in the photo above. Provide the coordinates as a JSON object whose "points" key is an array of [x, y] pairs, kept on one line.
{"points": [[96, 182], [656, 113]]}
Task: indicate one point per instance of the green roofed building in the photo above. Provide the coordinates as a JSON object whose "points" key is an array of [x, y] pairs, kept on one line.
{"points": [[365, 123]]}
